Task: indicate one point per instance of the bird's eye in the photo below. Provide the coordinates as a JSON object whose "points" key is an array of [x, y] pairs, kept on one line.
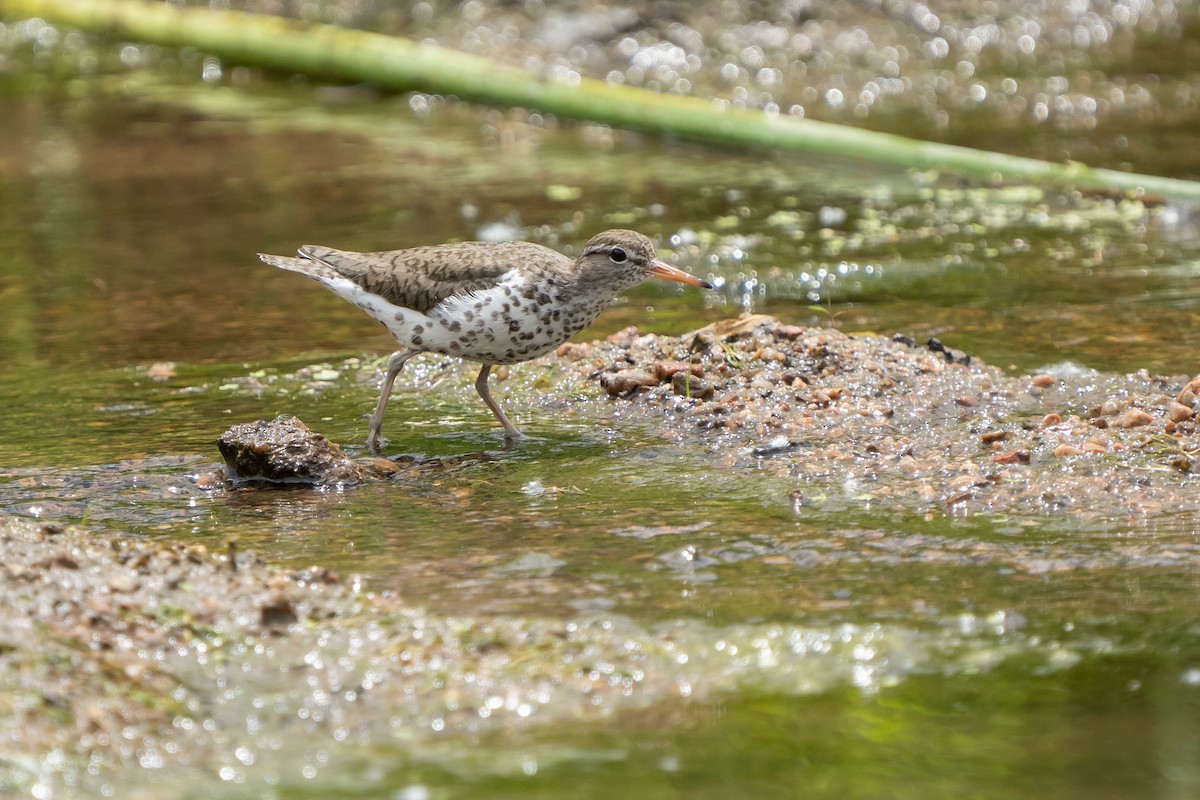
{"points": [[618, 255]]}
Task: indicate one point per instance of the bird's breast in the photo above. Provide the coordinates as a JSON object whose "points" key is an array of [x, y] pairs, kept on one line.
{"points": [[512, 322]]}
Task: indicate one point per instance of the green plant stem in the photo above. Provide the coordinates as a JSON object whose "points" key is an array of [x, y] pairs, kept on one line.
{"points": [[331, 53]]}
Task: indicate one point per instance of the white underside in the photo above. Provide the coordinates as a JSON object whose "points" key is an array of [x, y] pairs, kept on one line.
{"points": [[480, 336]]}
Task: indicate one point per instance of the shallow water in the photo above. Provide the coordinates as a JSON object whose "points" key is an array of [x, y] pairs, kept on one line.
{"points": [[1015, 655]]}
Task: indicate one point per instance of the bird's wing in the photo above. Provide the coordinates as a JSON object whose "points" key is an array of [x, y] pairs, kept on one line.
{"points": [[421, 277]]}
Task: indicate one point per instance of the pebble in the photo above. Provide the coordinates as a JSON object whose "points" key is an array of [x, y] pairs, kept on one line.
{"points": [[626, 382], [277, 610], [123, 583], [685, 385], [573, 351], [1178, 412], [665, 370], [1134, 418], [789, 331], [378, 465], [1013, 457], [214, 479], [1187, 396]]}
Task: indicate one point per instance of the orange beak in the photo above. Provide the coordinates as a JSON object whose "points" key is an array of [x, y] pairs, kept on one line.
{"points": [[664, 271]]}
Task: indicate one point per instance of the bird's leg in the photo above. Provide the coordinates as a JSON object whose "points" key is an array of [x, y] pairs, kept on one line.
{"points": [[511, 434], [395, 364]]}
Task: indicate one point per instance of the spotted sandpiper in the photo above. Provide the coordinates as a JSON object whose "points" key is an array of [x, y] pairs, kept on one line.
{"points": [[491, 302]]}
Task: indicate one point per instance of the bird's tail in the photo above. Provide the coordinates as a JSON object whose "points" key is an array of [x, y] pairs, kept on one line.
{"points": [[304, 265]]}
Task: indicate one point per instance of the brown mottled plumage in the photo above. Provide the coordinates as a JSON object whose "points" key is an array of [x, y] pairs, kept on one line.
{"points": [[496, 303], [421, 277]]}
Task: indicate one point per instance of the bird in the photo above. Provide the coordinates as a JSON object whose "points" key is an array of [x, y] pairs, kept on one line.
{"points": [[490, 302]]}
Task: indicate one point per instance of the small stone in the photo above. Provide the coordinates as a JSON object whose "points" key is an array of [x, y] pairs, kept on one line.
{"points": [[1094, 447], [378, 466], [1013, 457], [686, 385], [771, 354], [666, 370], [1190, 392], [1049, 420], [277, 611], [214, 479], [1042, 380], [1178, 412], [987, 437], [789, 331], [123, 583], [1133, 418], [65, 561], [1067, 450], [573, 351], [626, 382]]}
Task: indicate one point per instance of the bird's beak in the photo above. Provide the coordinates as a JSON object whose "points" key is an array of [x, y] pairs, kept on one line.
{"points": [[664, 271]]}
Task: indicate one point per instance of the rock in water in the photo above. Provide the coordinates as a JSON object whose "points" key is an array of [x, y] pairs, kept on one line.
{"points": [[284, 451]]}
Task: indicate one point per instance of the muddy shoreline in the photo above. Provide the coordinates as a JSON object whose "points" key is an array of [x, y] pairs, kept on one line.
{"points": [[890, 422], [914, 425]]}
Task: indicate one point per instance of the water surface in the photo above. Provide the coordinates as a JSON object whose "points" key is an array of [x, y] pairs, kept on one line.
{"points": [[1020, 654]]}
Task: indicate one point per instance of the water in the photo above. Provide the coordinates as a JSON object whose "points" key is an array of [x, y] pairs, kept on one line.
{"points": [[992, 657]]}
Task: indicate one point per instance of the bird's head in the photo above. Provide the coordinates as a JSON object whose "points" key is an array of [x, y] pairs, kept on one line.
{"points": [[623, 258]]}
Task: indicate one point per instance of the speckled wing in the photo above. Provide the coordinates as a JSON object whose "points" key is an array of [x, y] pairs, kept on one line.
{"points": [[422, 277]]}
